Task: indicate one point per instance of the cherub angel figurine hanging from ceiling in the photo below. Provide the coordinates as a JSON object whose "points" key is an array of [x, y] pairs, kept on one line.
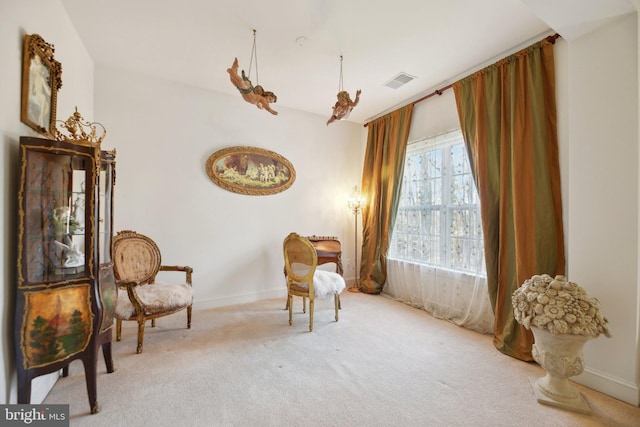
{"points": [[343, 107], [253, 95]]}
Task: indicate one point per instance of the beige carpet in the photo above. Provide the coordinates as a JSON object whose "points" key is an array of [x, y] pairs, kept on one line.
{"points": [[383, 364]]}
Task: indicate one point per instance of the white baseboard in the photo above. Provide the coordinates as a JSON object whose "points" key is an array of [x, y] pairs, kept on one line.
{"points": [[253, 297], [42, 385], [611, 386], [240, 299]]}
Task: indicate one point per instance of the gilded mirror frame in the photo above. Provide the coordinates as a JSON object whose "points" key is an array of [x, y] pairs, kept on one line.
{"points": [[41, 80]]}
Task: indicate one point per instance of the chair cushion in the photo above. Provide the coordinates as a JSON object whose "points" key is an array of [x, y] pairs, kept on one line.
{"points": [[325, 283], [155, 298]]}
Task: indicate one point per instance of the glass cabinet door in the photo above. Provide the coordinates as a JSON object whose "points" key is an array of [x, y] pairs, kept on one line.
{"points": [[105, 230], [57, 229], [107, 283]]}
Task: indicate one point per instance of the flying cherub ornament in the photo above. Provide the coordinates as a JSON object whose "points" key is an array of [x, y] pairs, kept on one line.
{"points": [[253, 95], [344, 106]]}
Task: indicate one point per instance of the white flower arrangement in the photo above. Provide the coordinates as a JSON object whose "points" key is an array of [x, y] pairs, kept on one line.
{"points": [[560, 306]]}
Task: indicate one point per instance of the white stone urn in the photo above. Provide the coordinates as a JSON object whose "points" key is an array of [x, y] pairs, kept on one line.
{"points": [[562, 317], [561, 356]]}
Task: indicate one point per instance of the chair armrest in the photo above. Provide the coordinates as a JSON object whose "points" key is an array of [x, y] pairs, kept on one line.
{"points": [[188, 270], [133, 296]]}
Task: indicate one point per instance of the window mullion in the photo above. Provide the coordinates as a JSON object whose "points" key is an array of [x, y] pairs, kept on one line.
{"points": [[446, 203]]}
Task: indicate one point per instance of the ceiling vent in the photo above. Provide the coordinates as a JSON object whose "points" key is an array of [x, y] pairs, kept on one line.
{"points": [[399, 80]]}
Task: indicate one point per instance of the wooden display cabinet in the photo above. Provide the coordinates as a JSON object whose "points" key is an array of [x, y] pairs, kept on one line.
{"points": [[66, 291]]}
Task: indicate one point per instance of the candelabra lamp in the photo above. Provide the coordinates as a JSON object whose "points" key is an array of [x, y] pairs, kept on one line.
{"points": [[355, 202]]}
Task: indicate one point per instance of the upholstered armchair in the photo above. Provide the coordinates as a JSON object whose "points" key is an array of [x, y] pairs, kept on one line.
{"points": [[137, 261]]}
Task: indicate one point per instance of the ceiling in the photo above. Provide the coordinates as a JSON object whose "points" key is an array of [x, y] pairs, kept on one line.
{"points": [[299, 42]]}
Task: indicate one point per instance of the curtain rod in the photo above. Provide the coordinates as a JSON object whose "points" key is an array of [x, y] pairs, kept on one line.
{"points": [[551, 39]]}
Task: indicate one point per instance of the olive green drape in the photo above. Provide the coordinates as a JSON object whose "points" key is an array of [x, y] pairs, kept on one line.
{"points": [[507, 114], [381, 183]]}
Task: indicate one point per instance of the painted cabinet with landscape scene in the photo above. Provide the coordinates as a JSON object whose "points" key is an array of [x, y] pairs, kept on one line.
{"points": [[66, 290]]}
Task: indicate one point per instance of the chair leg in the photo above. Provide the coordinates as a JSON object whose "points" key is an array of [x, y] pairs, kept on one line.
{"points": [[337, 304], [118, 329], [189, 317], [304, 305], [289, 304], [311, 304], [140, 336]]}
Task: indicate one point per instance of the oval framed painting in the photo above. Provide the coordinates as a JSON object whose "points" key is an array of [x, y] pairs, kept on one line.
{"points": [[250, 170]]}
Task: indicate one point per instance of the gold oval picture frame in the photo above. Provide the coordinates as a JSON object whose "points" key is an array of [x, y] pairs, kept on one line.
{"points": [[250, 170]]}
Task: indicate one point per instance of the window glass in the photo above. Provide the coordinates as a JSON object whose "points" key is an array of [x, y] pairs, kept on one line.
{"points": [[438, 221]]}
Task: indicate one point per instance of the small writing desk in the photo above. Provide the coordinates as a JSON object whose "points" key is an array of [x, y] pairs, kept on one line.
{"points": [[328, 249]]}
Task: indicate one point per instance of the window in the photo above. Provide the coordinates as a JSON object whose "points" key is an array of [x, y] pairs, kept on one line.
{"points": [[438, 220]]}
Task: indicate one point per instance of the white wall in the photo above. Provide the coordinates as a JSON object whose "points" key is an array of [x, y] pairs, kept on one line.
{"points": [[49, 19], [602, 199], [434, 116], [164, 133]]}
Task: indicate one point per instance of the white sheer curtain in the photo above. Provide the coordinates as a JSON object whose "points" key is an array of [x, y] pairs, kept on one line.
{"points": [[460, 298]]}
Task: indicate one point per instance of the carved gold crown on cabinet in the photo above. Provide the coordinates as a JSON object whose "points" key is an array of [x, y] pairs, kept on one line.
{"points": [[80, 131]]}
